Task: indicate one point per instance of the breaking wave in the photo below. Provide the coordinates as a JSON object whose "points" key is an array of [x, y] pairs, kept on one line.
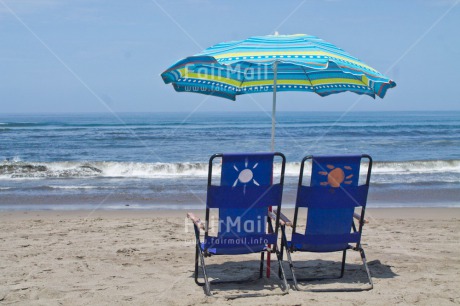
{"points": [[71, 169]]}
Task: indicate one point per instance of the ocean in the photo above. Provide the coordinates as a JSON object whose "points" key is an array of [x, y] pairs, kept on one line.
{"points": [[160, 160]]}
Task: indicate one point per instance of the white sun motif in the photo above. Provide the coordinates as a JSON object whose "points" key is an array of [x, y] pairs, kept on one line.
{"points": [[246, 175]]}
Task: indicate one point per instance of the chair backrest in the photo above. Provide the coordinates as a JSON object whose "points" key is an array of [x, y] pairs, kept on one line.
{"points": [[331, 199], [246, 191]]}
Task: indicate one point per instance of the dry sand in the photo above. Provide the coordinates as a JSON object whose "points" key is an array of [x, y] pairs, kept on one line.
{"points": [[146, 257]]}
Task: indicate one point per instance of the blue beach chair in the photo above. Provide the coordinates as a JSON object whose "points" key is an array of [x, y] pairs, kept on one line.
{"points": [[331, 198], [243, 199]]}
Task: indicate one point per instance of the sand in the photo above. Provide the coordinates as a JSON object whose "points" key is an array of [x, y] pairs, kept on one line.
{"points": [[147, 257]]}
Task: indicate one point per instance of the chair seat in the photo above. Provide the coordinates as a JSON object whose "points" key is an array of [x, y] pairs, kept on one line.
{"points": [[238, 245], [322, 248], [235, 250]]}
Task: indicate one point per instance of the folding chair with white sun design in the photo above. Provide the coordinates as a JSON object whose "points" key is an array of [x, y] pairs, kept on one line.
{"points": [[331, 198], [243, 198]]}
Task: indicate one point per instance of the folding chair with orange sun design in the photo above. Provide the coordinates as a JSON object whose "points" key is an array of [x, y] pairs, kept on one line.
{"points": [[331, 198], [245, 225]]}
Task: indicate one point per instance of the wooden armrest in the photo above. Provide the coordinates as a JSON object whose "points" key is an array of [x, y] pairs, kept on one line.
{"points": [[273, 217], [358, 216], [196, 220], [283, 219]]}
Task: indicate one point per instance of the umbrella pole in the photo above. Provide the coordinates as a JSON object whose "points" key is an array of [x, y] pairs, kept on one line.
{"points": [[275, 68], [275, 72]]}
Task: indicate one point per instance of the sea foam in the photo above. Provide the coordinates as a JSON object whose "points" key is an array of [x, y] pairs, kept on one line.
{"points": [[72, 169]]}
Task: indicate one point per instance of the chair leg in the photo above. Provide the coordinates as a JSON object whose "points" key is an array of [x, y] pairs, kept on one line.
{"points": [[196, 266], [281, 269], [291, 266], [363, 257], [344, 256], [207, 287], [261, 270], [200, 257], [281, 257], [284, 246]]}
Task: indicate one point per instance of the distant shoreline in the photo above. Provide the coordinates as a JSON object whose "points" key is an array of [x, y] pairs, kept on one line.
{"points": [[162, 207], [426, 213], [437, 111]]}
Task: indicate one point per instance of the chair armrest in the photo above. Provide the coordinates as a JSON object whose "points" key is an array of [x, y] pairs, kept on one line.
{"points": [[283, 219], [358, 217], [197, 221]]}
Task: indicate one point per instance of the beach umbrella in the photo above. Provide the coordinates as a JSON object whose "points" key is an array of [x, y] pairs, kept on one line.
{"points": [[275, 63]]}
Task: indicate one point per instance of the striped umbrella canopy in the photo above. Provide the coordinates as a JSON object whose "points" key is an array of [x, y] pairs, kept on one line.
{"points": [[275, 63]]}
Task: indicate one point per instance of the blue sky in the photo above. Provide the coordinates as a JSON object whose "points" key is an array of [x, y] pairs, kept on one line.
{"points": [[101, 56]]}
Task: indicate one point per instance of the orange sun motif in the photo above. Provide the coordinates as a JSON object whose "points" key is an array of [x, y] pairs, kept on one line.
{"points": [[336, 176]]}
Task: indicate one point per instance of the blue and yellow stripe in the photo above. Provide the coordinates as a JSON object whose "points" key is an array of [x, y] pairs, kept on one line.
{"points": [[305, 63]]}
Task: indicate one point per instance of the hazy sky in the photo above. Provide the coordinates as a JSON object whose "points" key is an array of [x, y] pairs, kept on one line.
{"points": [[101, 55]]}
